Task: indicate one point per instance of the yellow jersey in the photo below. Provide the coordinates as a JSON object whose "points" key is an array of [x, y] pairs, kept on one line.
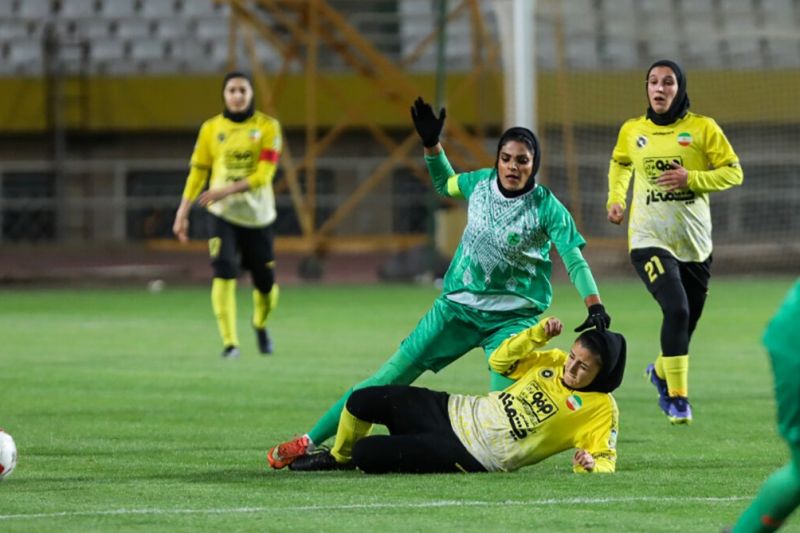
{"points": [[677, 221], [536, 417], [228, 151]]}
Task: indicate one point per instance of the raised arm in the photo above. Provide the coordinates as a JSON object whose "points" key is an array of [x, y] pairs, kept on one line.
{"points": [[513, 357], [429, 127]]}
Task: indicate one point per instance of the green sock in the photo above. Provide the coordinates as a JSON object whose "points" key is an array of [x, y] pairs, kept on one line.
{"points": [[775, 501], [398, 370], [326, 426]]}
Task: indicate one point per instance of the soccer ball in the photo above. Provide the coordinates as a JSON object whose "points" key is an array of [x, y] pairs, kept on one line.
{"points": [[8, 455]]}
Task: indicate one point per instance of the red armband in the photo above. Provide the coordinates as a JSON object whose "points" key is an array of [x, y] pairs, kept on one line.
{"points": [[269, 155]]}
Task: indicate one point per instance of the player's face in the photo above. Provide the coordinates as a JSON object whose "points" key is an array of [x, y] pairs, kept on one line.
{"points": [[581, 367], [661, 88], [514, 165], [238, 93]]}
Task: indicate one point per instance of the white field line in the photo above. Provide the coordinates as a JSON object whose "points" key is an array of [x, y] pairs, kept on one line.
{"points": [[378, 506]]}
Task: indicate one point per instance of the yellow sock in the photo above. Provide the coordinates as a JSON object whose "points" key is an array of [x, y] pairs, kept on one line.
{"points": [[263, 305], [350, 431], [660, 366], [676, 369], [223, 301]]}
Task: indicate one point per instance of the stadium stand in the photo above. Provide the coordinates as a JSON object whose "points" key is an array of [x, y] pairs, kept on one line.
{"points": [[106, 47]]}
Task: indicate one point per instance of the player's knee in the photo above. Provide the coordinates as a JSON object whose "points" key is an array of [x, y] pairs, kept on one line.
{"points": [[263, 278], [224, 268], [677, 314], [369, 457], [358, 402]]}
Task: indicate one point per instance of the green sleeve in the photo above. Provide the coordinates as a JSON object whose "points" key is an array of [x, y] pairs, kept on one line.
{"points": [[440, 170], [579, 272]]}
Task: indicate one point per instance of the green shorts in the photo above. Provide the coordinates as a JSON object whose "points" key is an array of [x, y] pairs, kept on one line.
{"points": [[449, 330], [782, 340]]}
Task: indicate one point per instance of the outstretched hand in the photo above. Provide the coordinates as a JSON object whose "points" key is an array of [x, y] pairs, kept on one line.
{"points": [[427, 124], [598, 319]]}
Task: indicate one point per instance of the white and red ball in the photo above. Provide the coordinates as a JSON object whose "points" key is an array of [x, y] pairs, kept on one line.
{"points": [[8, 455]]}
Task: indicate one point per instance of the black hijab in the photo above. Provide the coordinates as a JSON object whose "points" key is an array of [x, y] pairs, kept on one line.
{"points": [[528, 138], [242, 115], [679, 106], [611, 348]]}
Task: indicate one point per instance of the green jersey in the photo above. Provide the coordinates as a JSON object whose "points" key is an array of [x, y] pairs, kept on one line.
{"points": [[503, 261]]}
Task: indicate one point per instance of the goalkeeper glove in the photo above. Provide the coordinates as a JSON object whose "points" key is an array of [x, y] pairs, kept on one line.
{"points": [[598, 319], [426, 123]]}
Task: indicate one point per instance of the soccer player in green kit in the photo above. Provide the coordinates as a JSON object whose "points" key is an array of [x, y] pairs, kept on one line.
{"points": [[498, 282], [780, 493], [237, 151], [676, 159], [559, 400]]}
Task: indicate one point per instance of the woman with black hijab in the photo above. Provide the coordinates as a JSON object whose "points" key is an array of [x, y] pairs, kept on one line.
{"points": [[558, 401], [498, 282], [676, 158], [236, 155]]}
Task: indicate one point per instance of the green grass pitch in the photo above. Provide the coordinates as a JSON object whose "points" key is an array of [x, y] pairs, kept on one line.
{"points": [[126, 418]]}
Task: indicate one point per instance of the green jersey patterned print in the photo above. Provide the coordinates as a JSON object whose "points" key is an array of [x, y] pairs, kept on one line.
{"points": [[503, 261]]}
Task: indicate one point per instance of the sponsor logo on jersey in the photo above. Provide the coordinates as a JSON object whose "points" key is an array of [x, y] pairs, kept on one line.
{"points": [[684, 138], [655, 166], [546, 373], [255, 135], [641, 141], [574, 402], [238, 160], [654, 196]]}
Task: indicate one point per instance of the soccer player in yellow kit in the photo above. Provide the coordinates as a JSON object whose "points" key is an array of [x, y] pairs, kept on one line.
{"points": [[236, 154], [676, 158], [560, 400]]}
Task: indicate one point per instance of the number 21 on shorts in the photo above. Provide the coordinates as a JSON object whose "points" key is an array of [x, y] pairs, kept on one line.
{"points": [[653, 268]]}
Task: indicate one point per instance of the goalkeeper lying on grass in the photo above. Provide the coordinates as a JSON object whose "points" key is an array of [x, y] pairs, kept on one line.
{"points": [[559, 401]]}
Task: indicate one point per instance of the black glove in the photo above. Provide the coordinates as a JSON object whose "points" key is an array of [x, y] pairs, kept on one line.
{"points": [[425, 122], [598, 319]]}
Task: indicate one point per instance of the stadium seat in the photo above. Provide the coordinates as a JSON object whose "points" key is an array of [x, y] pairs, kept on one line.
{"points": [[12, 30], [134, 29], [202, 8], [582, 52], [35, 9], [784, 51], [25, 56], [145, 50], [160, 8], [744, 51], [93, 28], [102, 50], [118, 9], [77, 9], [172, 28], [212, 28], [7, 9], [620, 52]]}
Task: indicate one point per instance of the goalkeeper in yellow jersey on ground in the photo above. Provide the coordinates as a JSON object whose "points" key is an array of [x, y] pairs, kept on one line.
{"points": [[236, 154], [676, 158], [558, 401]]}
